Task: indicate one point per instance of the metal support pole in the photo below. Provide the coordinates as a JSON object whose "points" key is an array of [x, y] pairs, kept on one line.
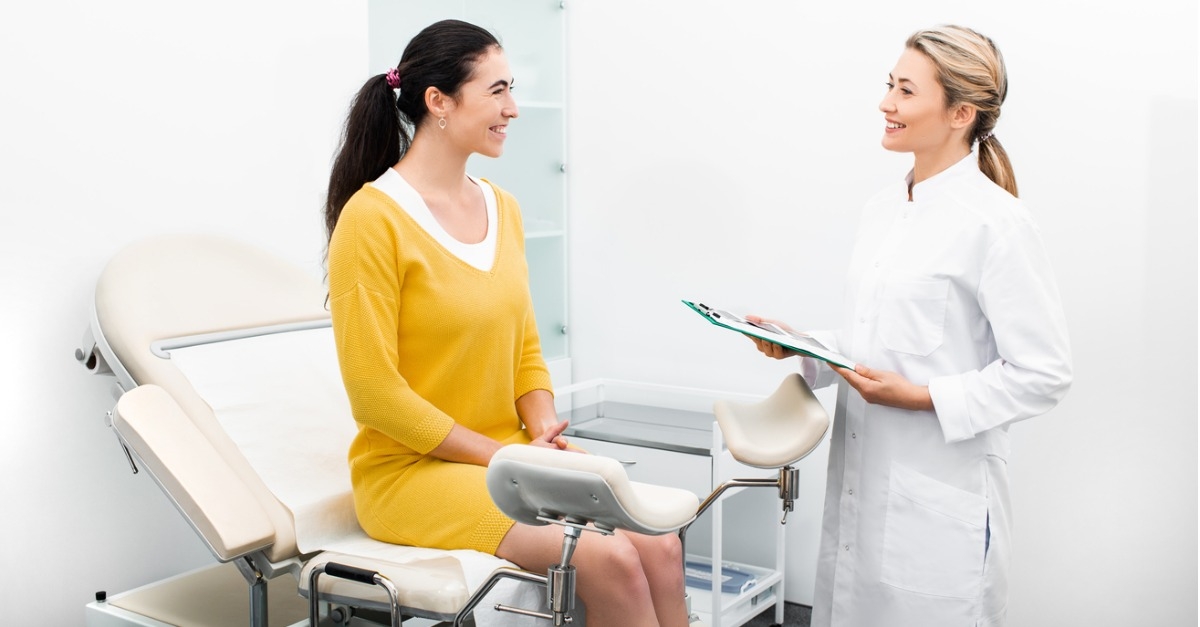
{"points": [[258, 591]]}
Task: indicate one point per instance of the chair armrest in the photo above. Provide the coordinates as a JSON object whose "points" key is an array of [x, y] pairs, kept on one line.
{"points": [[189, 469]]}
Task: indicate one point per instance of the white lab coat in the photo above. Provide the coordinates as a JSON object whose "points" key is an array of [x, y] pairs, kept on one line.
{"points": [[952, 290]]}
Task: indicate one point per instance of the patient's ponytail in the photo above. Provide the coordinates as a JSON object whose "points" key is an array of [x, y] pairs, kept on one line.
{"points": [[390, 109], [373, 140]]}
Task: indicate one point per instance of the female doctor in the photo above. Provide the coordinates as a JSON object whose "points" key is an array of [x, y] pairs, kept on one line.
{"points": [[953, 316]]}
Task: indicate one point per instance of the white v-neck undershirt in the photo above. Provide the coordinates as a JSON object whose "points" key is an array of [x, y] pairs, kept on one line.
{"points": [[481, 255]]}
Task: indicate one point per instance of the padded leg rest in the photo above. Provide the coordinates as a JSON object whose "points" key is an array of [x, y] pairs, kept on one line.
{"points": [[780, 430], [528, 481]]}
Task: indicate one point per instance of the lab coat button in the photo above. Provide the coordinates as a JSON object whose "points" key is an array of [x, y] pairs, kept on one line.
{"points": [[851, 492], [853, 436], [847, 547]]}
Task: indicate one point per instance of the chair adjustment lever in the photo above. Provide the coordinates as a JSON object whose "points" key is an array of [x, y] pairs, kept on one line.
{"points": [[500, 607], [108, 420]]}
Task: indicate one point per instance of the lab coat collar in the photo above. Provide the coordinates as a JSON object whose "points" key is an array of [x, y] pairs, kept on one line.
{"points": [[932, 186]]}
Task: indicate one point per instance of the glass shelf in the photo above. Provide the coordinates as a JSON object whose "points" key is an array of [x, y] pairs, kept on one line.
{"points": [[543, 234], [662, 428]]}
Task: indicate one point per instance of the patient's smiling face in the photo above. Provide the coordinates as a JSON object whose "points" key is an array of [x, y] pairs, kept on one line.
{"points": [[484, 106]]}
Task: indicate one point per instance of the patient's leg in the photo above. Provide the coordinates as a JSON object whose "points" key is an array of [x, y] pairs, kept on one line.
{"points": [[611, 577], [662, 561]]}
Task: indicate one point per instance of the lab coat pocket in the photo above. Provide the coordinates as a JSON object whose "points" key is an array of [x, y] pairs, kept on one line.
{"points": [[912, 314], [933, 537]]}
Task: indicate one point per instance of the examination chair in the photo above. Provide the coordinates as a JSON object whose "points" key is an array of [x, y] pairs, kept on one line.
{"points": [[539, 486], [228, 395]]}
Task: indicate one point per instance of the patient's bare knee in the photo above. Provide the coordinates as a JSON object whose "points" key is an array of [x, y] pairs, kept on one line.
{"points": [[662, 559], [617, 566], [668, 549]]}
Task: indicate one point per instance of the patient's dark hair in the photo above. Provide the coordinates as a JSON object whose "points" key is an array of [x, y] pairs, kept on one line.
{"points": [[382, 119]]}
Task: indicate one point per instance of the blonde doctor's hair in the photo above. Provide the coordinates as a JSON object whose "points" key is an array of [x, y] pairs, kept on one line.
{"points": [[971, 70]]}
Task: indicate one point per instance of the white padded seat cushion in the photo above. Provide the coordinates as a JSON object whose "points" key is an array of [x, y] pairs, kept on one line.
{"points": [[780, 430], [452, 577], [528, 481], [435, 584]]}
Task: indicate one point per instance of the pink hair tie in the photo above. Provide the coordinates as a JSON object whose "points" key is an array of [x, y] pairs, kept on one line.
{"points": [[393, 78]]}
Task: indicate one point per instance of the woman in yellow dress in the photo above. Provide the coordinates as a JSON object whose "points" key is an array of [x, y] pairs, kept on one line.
{"points": [[435, 329]]}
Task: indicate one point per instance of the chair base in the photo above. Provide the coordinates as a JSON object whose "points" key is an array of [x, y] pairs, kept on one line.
{"points": [[211, 596]]}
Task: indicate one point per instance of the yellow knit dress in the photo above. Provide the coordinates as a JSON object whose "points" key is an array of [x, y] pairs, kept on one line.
{"points": [[424, 341]]}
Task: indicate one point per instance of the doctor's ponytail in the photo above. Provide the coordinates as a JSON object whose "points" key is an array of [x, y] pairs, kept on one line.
{"points": [[971, 70]]}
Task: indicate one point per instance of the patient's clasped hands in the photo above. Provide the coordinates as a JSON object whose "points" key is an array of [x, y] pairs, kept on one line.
{"points": [[553, 437]]}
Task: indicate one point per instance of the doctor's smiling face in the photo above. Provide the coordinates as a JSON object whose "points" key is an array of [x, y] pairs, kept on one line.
{"points": [[915, 108]]}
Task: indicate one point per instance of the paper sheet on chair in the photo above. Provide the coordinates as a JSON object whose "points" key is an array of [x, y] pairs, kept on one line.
{"points": [[277, 395]]}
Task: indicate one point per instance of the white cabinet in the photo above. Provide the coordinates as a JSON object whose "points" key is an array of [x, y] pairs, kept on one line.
{"points": [[533, 167], [668, 436]]}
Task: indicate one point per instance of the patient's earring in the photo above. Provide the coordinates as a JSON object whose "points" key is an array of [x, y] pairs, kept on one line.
{"points": [[442, 123]]}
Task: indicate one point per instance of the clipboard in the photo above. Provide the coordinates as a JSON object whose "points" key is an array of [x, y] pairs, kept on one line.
{"points": [[799, 342]]}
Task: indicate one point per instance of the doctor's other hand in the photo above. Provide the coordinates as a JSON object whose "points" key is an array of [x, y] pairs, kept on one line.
{"points": [[770, 349], [883, 387], [553, 437]]}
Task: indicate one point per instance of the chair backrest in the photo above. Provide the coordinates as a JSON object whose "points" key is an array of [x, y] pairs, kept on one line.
{"points": [[188, 285], [780, 430]]}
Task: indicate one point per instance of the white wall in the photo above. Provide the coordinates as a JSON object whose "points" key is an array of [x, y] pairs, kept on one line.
{"points": [[721, 151], [120, 120]]}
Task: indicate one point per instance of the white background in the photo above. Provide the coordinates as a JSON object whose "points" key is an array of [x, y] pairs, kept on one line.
{"points": [[719, 151]]}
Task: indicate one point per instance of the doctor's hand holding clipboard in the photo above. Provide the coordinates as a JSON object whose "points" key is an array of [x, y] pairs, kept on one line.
{"points": [[771, 349], [880, 387]]}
